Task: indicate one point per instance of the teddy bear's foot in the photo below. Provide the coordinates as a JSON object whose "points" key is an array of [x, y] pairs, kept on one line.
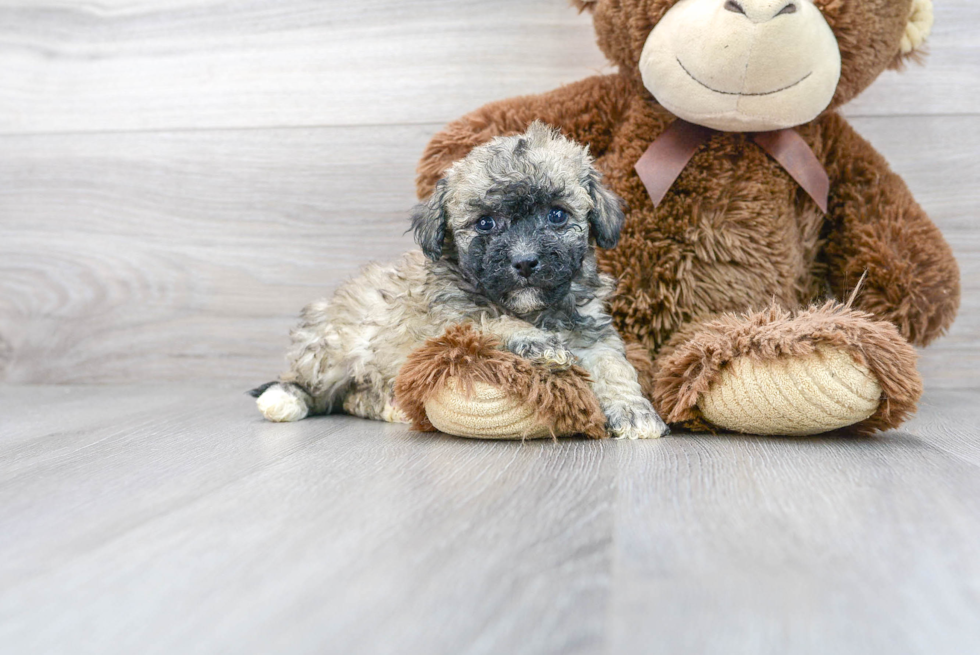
{"points": [[463, 383], [778, 372], [484, 412], [792, 395]]}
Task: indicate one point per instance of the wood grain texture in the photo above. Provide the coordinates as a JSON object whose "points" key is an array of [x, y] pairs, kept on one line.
{"points": [[173, 519], [136, 65], [237, 535], [798, 546], [156, 64], [187, 255]]}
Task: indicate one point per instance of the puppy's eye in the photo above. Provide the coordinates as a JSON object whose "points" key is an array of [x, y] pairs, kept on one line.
{"points": [[557, 216], [485, 224]]}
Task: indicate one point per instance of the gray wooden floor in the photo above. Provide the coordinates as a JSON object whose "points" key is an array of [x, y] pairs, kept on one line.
{"points": [[174, 520], [177, 179]]}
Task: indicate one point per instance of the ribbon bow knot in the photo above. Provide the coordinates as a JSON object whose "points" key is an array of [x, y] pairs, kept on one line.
{"points": [[669, 154]]}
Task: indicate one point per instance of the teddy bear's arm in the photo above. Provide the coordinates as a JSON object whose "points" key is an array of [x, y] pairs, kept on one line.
{"points": [[585, 111], [877, 228]]}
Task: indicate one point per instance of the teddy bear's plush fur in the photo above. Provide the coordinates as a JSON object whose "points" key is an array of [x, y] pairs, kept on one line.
{"points": [[737, 247]]}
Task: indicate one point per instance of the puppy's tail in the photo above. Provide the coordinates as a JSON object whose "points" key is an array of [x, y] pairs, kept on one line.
{"points": [[258, 391], [282, 402]]}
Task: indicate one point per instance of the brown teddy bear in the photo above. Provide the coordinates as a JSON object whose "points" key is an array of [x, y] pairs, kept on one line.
{"points": [[775, 269]]}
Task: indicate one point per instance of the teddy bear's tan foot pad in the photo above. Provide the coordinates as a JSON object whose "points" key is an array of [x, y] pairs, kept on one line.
{"points": [[487, 413], [793, 396]]}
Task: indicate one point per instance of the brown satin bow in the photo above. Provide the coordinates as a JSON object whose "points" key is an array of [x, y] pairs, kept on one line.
{"points": [[662, 163]]}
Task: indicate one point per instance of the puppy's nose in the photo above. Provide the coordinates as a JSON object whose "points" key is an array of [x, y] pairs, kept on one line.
{"points": [[525, 264]]}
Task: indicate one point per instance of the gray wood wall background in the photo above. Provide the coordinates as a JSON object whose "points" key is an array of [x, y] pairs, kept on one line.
{"points": [[179, 177]]}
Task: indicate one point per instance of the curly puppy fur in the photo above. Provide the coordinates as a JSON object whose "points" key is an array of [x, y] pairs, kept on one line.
{"points": [[508, 245]]}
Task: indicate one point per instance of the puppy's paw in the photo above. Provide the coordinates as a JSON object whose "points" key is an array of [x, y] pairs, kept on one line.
{"points": [[559, 359], [637, 420], [281, 405], [549, 352]]}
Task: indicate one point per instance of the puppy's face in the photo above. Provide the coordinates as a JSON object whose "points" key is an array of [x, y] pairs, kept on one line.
{"points": [[519, 217]]}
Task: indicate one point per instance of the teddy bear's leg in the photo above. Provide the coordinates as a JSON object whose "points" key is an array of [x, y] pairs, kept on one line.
{"points": [[466, 384], [483, 411], [792, 395], [613, 381], [777, 372]]}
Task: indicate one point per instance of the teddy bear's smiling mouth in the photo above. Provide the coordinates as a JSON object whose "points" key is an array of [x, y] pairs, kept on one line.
{"points": [[732, 93]]}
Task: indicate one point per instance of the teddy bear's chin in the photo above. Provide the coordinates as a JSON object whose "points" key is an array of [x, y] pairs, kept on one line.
{"points": [[719, 69], [736, 121]]}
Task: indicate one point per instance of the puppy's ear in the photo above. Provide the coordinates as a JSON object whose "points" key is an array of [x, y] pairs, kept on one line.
{"points": [[606, 218], [429, 221]]}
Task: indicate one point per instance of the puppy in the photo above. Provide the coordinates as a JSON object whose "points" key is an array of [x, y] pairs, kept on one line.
{"points": [[507, 243]]}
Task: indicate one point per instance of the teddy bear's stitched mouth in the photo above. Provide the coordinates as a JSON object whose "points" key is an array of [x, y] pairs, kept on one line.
{"points": [[732, 93]]}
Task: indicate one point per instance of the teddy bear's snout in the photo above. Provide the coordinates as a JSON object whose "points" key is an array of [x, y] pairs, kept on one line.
{"points": [[762, 11]]}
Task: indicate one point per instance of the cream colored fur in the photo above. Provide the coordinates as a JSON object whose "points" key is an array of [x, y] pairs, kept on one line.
{"points": [[486, 412], [919, 27], [794, 396], [751, 71]]}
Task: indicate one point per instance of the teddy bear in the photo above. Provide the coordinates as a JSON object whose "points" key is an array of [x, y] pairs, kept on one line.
{"points": [[774, 273]]}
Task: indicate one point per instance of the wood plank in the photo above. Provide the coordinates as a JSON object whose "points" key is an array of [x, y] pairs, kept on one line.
{"points": [[206, 529], [156, 64], [160, 65], [191, 525], [947, 420], [804, 546], [187, 255]]}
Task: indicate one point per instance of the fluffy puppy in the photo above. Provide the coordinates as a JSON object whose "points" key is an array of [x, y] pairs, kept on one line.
{"points": [[508, 243]]}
